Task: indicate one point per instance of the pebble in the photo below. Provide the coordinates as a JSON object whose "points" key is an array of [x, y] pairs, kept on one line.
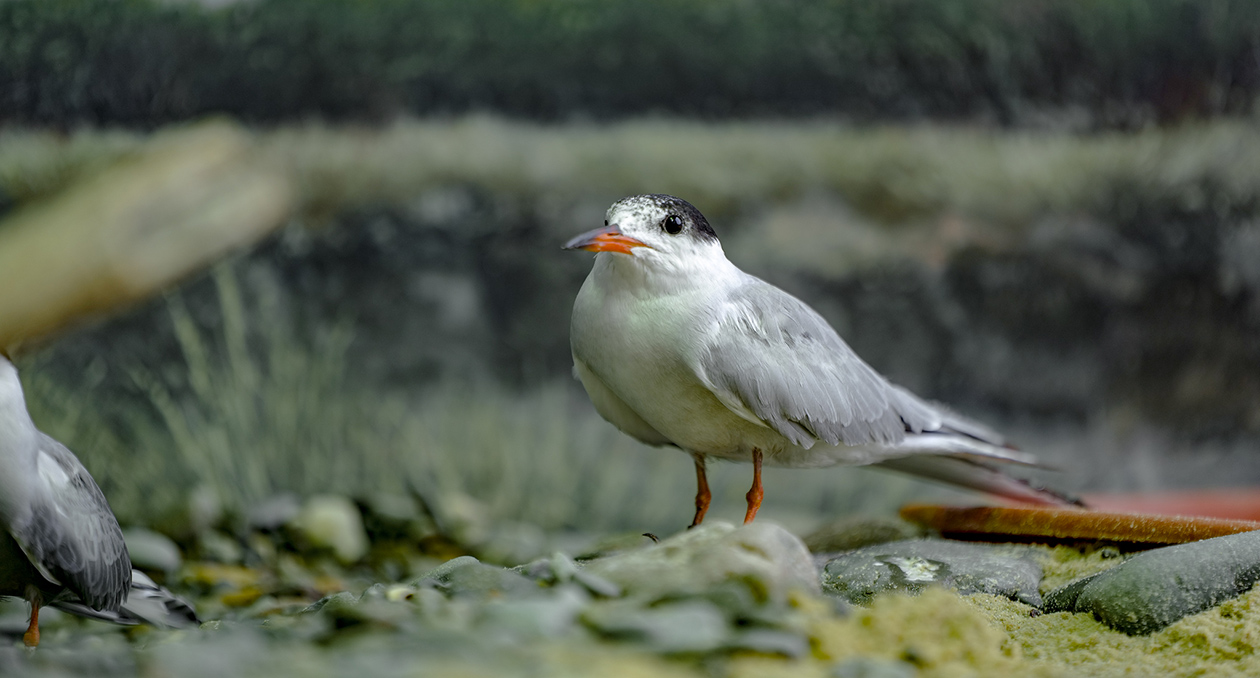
{"points": [[467, 575], [334, 522], [912, 565], [870, 667], [1156, 588], [548, 614], [685, 626], [562, 569], [846, 534], [274, 512], [763, 557], [150, 550]]}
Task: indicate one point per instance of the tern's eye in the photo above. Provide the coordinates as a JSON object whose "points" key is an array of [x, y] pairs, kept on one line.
{"points": [[672, 225]]}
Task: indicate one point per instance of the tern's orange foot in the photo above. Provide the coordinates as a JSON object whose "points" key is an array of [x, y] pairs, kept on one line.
{"points": [[703, 496], [31, 637], [755, 493]]}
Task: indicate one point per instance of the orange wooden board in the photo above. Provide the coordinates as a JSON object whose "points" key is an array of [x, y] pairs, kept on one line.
{"points": [[1067, 523], [1238, 503]]}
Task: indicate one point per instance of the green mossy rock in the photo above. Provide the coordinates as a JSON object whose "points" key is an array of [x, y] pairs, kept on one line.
{"points": [[1156, 588]]}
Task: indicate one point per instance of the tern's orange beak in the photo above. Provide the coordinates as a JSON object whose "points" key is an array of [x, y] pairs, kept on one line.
{"points": [[606, 239]]}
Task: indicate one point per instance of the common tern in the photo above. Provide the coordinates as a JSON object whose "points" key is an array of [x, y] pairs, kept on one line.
{"points": [[60, 543], [677, 346]]}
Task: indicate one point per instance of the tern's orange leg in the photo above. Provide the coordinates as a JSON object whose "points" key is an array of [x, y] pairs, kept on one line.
{"points": [[31, 637], [754, 495], [703, 496]]}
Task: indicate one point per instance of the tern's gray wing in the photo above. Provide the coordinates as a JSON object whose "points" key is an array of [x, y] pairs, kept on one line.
{"points": [[71, 535], [147, 603], [774, 361]]}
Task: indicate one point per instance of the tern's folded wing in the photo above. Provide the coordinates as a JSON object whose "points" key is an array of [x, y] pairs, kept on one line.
{"points": [[71, 535], [773, 360], [147, 603]]}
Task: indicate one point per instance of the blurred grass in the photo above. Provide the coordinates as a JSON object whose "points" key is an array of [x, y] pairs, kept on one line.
{"points": [[893, 175], [36, 164], [260, 407], [252, 410], [258, 419], [256, 410], [1090, 63]]}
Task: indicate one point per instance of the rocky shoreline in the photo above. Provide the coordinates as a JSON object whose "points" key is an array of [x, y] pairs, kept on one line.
{"points": [[716, 600]]}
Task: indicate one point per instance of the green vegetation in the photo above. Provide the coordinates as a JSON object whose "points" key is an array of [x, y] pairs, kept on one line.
{"points": [[820, 198], [890, 175], [146, 62], [254, 411]]}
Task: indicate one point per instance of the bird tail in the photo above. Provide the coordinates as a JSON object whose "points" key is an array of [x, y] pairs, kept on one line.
{"points": [[147, 603], [966, 462]]}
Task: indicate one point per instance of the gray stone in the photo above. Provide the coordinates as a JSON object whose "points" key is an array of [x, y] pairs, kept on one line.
{"points": [[913, 565], [613, 544], [216, 546], [338, 599], [742, 602], [467, 575], [676, 627], [548, 614], [770, 641], [764, 557], [464, 518], [512, 543], [271, 513], [152, 551], [869, 667], [563, 570], [846, 534], [373, 607], [1156, 588], [395, 507], [333, 522]]}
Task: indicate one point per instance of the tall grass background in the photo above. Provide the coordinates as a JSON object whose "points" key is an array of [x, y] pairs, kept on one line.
{"points": [[252, 410], [890, 174], [256, 404]]}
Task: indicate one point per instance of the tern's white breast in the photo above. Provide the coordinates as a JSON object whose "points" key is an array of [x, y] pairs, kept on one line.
{"points": [[638, 346]]}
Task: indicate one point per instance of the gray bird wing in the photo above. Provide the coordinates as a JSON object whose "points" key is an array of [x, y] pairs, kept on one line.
{"points": [[147, 603], [71, 535], [977, 472], [774, 361]]}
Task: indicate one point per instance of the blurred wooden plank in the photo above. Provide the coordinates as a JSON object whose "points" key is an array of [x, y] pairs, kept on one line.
{"points": [[1060, 523], [1235, 503], [127, 232]]}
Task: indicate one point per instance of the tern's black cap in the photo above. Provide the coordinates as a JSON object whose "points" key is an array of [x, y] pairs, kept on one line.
{"points": [[685, 210]]}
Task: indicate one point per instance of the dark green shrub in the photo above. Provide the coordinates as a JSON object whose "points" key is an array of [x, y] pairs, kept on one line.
{"points": [[141, 62]]}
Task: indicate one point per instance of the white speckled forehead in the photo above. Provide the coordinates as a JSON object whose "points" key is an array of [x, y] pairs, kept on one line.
{"points": [[652, 207], [639, 208]]}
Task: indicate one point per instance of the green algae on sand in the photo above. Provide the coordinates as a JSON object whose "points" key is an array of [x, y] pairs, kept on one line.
{"points": [[945, 634], [1222, 641]]}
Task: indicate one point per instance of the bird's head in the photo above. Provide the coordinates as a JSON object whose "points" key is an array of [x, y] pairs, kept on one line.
{"points": [[651, 227]]}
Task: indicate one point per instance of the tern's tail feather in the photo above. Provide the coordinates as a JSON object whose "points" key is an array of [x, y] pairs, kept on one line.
{"points": [[965, 462], [147, 603]]}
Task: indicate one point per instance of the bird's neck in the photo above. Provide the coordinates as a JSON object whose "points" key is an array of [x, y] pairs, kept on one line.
{"points": [[16, 428], [642, 275]]}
